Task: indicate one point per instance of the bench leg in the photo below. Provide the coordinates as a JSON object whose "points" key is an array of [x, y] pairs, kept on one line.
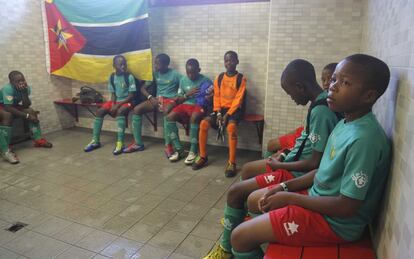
{"points": [[259, 128]]}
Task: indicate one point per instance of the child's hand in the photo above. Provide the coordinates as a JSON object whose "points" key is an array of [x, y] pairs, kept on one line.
{"points": [[33, 118], [154, 101], [193, 92], [274, 162], [273, 202]]}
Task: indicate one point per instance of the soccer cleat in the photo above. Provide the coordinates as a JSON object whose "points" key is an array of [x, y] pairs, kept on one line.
{"points": [[92, 146], [42, 143], [118, 148], [176, 156], [230, 169], [169, 150], [190, 158], [10, 157], [199, 162], [133, 147], [218, 253]]}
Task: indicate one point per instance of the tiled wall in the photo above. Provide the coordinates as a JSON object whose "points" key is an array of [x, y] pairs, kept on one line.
{"points": [[320, 31], [206, 32], [389, 34], [22, 48]]}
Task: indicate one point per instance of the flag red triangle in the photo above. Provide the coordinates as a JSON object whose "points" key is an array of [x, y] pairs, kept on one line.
{"points": [[64, 39]]}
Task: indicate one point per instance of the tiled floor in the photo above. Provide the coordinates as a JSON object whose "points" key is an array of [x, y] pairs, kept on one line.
{"points": [[96, 205]]}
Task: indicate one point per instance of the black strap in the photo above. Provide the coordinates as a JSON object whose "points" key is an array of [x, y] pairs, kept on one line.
{"points": [[302, 145]]}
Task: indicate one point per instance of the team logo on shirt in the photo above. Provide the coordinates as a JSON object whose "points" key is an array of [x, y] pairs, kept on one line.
{"points": [[332, 152], [269, 178], [360, 179], [314, 138], [9, 98], [291, 228]]}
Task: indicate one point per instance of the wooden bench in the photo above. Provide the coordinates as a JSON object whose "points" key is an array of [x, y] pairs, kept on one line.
{"points": [[361, 249]]}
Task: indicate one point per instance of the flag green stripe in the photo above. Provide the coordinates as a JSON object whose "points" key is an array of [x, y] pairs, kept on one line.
{"points": [[101, 11]]}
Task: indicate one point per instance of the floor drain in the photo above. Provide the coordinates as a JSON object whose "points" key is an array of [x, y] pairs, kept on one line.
{"points": [[16, 227]]}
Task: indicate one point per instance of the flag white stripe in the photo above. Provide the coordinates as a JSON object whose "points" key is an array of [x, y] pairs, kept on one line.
{"points": [[141, 17]]}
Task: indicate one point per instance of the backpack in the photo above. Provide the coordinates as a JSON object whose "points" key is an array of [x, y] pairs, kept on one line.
{"points": [[242, 108], [138, 96], [313, 105], [88, 95], [206, 88]]}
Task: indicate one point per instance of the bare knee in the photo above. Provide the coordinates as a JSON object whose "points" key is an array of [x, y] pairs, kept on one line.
{"points": [[240, 238], [101, 113], [7, 118], [246, 170], [235, 196]]}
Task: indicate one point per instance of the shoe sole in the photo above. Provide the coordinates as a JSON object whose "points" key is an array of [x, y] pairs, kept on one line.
{"points": [[87, 151], [135, 150]]}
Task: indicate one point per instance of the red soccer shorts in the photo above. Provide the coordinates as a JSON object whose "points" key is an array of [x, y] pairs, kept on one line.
{"points": [[274, 178], [288, 141], [108, 105], [296, 226], [186, 110]]}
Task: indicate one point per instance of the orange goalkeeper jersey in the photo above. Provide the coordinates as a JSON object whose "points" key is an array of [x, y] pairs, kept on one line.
{"points": [[227, 95]]}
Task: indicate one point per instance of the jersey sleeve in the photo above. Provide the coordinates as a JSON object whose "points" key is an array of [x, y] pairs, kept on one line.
{"points": [[238, 99], [359, 168], [322, 122], [132, 86], [8, 96]]}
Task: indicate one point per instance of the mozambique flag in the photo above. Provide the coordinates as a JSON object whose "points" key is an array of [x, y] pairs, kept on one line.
{"points": [[83, 36]]}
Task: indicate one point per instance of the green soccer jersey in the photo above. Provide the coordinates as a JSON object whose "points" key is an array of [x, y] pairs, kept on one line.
{"points": [[355, 164], [186, 85], [9, 95], [322, 122], [121, 88], [167, 83]]}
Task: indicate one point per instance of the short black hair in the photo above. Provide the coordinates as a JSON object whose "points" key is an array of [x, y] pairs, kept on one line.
{"points": [[163, 58], [375, 72], [330, 67], [13, 73], [232, 53], [192, 62], [301, 70], [118, 56]]}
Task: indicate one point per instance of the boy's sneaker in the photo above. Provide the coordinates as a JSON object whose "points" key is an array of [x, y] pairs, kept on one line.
{"points": [[176, 156], [42, 143], [118, 148], [169, 150], [218, 253], [10, 157], [199, 162], [133, 147], [92, 146], [190, 158], [230, 169]]}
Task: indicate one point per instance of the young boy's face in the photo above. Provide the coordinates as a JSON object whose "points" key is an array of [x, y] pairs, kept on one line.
{"points": [[295, 91], [159, 66], [230, 63], [326, 78], [120, 65], [192, 72], [347, 92], [19, 81]]}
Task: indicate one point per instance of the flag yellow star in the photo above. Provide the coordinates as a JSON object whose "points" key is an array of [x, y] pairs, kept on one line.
{"points": [[61, 35]]}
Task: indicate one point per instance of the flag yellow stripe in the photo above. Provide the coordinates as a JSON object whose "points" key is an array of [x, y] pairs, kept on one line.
{"points": [[93, 69]]}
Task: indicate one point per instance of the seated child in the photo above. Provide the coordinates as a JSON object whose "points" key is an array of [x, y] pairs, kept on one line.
{"points": [[327, 73], [288, 141], [228, 110], [15, 102], [167, 81], [299, 81], [121, 103], [187, 109], [345, 191]]}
